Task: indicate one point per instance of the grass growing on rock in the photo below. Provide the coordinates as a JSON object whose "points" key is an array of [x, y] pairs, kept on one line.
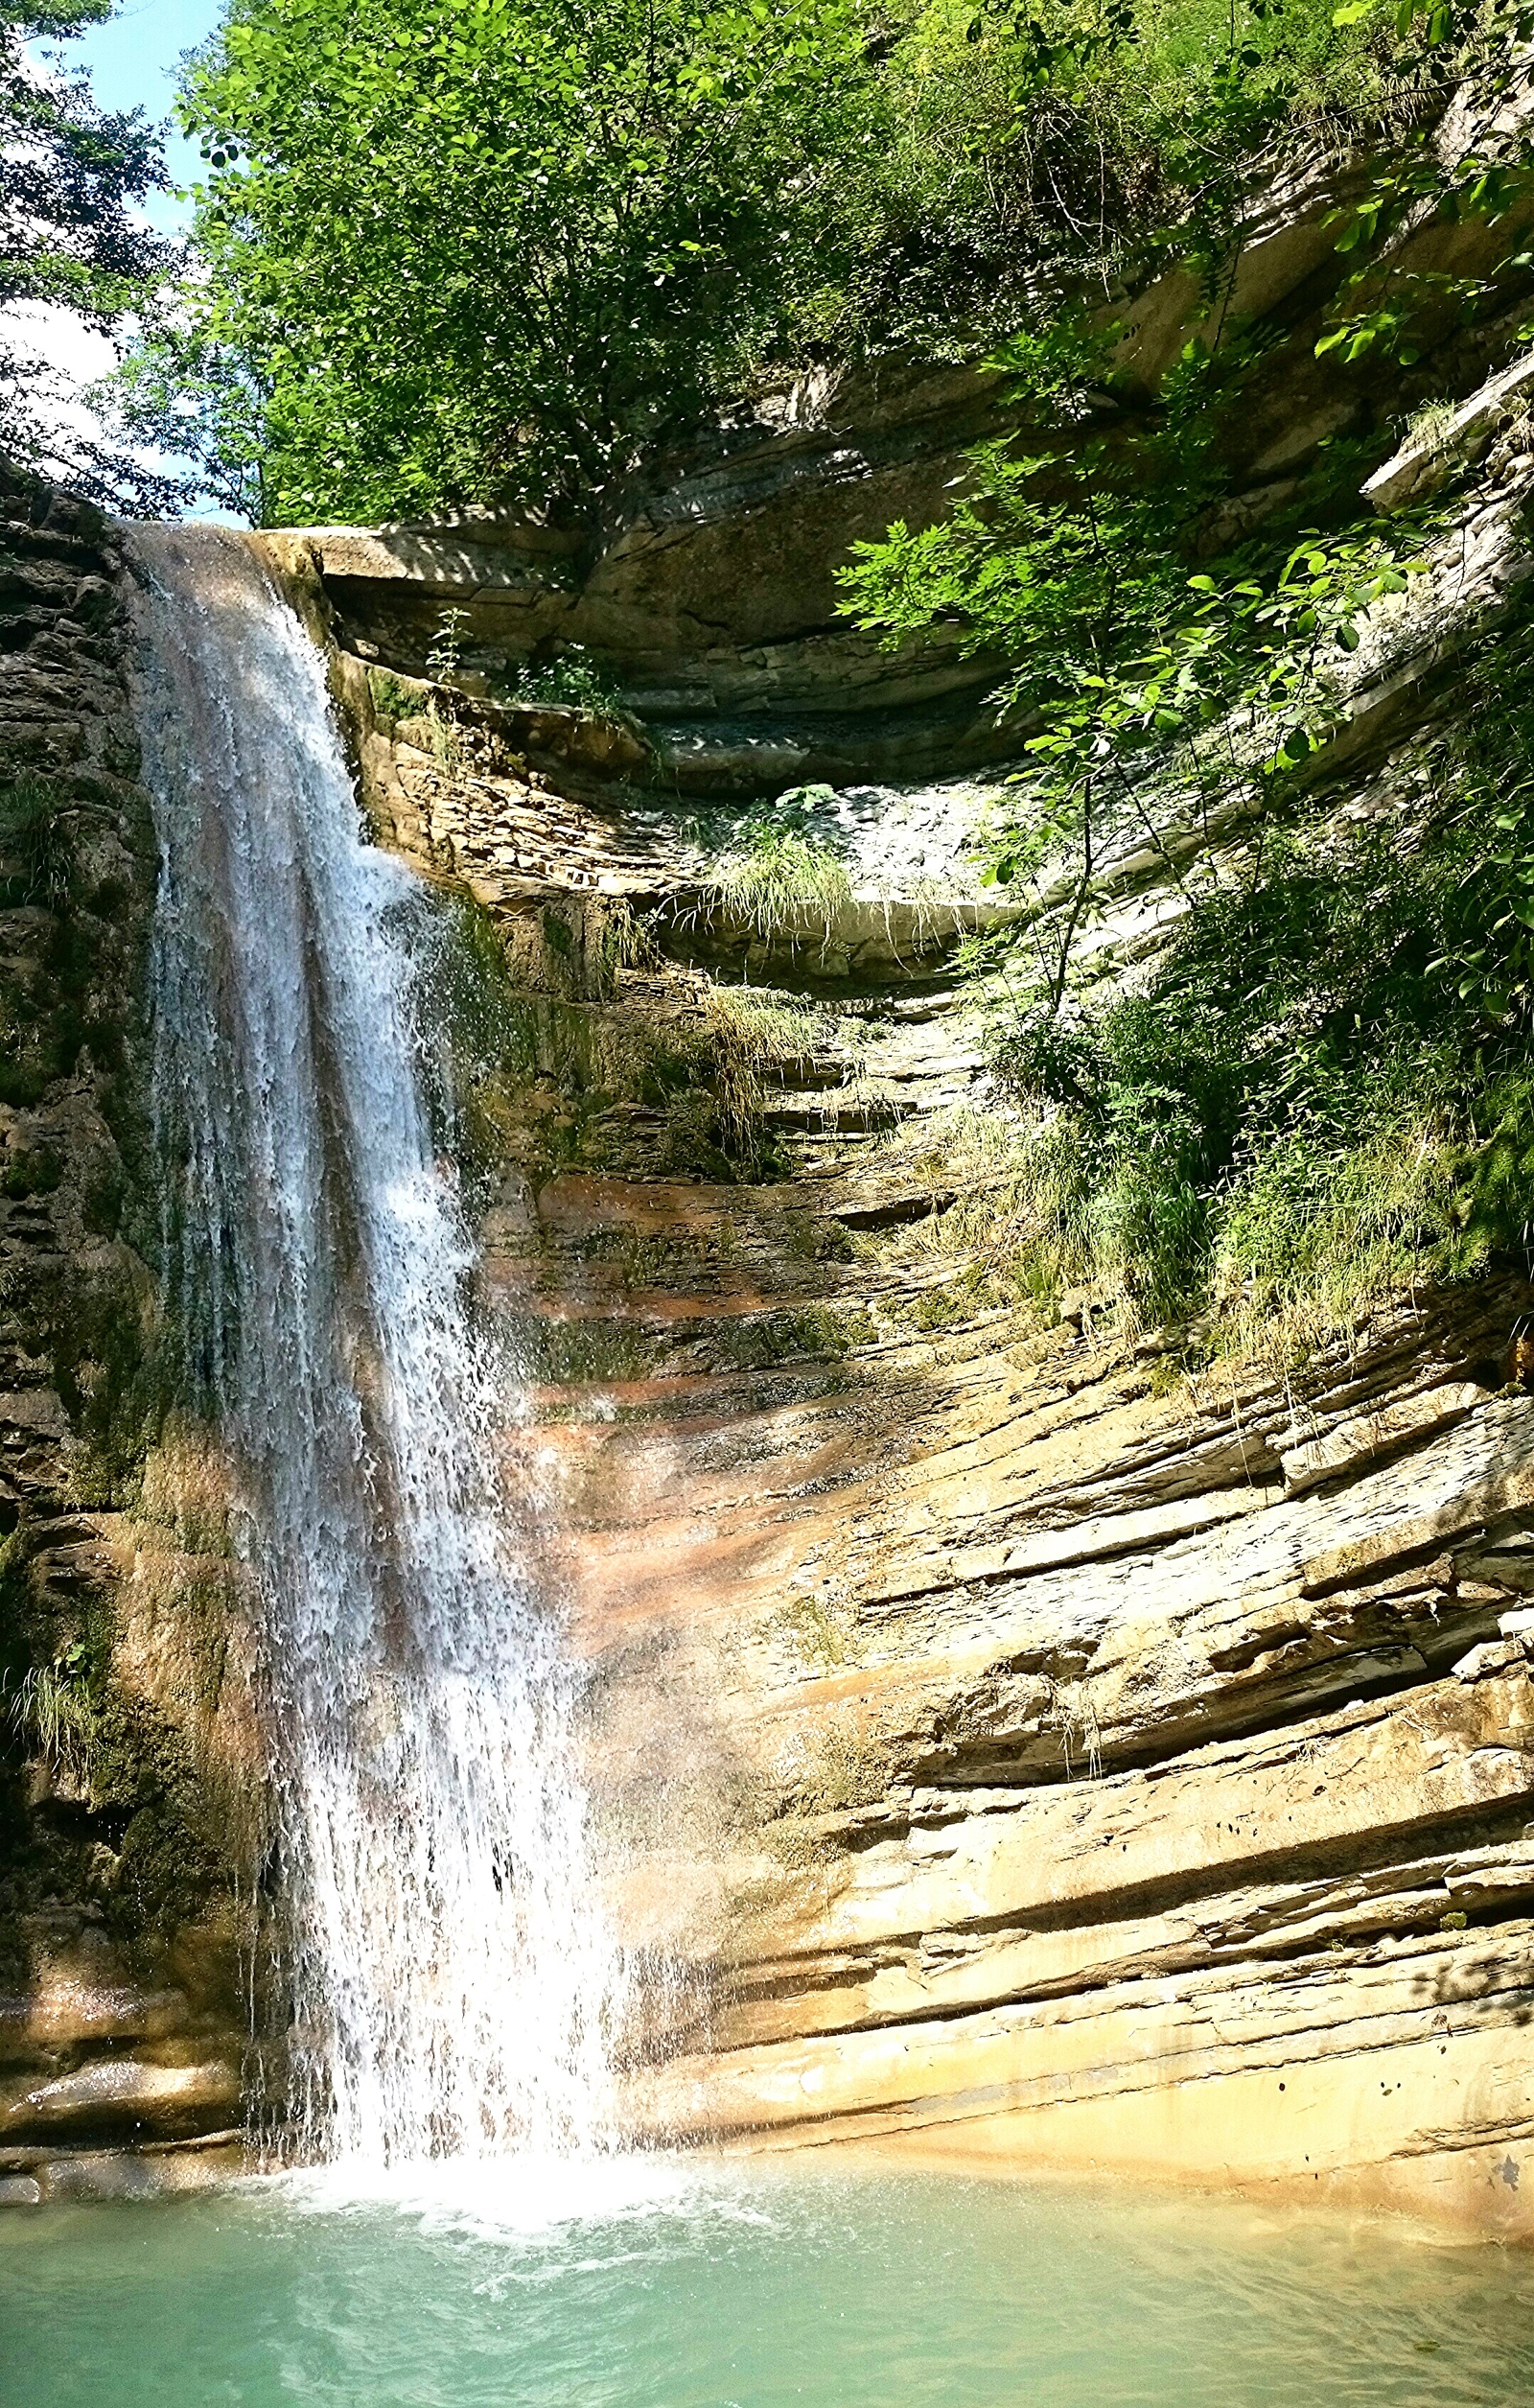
{"points": [[750, 1032], [37, 848], [1313, 1101], [144, 1832], [835, 1770], [806, 1333], [53, 1713], [782, 871], [781, 879], [1008, 1222], [819, 1631], [536, 1042]]}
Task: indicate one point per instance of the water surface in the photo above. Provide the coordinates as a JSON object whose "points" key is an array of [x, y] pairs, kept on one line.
{"points": [[651, 2286]]}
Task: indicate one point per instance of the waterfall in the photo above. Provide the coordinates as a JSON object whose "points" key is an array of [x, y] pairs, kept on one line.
{"points": [[452, 1975]]}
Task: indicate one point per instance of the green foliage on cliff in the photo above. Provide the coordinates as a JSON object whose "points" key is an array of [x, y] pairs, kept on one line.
{"points": [[1162, 613], [460, 248], [1135, 678], [1318, 1096], [455, 245], [1315, 1096], [777, 873], [1034, 149]]}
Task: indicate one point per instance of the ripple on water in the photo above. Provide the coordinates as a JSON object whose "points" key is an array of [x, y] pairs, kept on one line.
{"points": [[657, 2282]]}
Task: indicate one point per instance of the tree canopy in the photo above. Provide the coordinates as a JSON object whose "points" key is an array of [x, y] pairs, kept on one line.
{"points": [[456, 244], [459, 250], [68, 234]]}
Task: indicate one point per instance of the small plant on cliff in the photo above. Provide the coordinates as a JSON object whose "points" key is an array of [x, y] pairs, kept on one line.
{"points": [[575, 679], [37, 849], [780, 873], [444, 654], [749, 1034], [52, 1711], [843, 1765], [392, 699], [819, 1630]]}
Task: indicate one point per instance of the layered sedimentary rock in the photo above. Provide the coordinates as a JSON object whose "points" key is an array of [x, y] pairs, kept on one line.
{"points": [[1007, 1735], [1013, 1743], [1050, 1766], [706, 583], [128, 1773]]}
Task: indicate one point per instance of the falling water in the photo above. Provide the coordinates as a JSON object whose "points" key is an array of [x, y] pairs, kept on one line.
{"points": [[452, 1976]]}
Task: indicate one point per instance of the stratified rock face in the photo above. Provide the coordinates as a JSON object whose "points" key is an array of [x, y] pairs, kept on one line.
{"points": [[706, 586], [1082, 1789], [1010, 1754], [128, 1780], [1008, 1745], [1003, 1742], [710, 586]]}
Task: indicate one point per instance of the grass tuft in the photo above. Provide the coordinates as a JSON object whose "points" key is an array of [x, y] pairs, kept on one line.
{"points": [[36, 850], [53, 1713], [777, 879]]}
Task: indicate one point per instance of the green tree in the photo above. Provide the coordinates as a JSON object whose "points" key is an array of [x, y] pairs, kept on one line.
{"points": [[68, 234], [450, 248]]}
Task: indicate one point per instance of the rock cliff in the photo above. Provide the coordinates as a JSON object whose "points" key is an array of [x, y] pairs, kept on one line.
{"points": [[130, 1779], [1013, 1740], [1012, 1732]]}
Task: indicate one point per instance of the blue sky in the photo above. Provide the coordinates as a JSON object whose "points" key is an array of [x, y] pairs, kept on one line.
{"points": [[133, 60]]}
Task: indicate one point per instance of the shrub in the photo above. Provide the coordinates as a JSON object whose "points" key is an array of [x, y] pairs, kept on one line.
{"points": [[457, 248], [1317, 1097]]}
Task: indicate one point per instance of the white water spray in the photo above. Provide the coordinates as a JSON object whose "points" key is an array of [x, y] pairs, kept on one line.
{"points": [[452, 1978]]}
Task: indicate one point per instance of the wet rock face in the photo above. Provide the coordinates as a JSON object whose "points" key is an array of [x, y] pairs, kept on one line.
{"points": [[124, 1756], [1012, 1746]]}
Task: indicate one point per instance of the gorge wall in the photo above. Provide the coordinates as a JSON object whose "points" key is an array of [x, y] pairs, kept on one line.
{"points": [[130, 1777], [1033, 1750], [1009, 1736]]}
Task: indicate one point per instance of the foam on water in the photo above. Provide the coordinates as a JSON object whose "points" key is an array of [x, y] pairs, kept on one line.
{"points": [[453, 1980], [526, 2198]]}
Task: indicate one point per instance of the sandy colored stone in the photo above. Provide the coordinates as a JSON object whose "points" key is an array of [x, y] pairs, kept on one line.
{"points": [[155, 2101]]}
